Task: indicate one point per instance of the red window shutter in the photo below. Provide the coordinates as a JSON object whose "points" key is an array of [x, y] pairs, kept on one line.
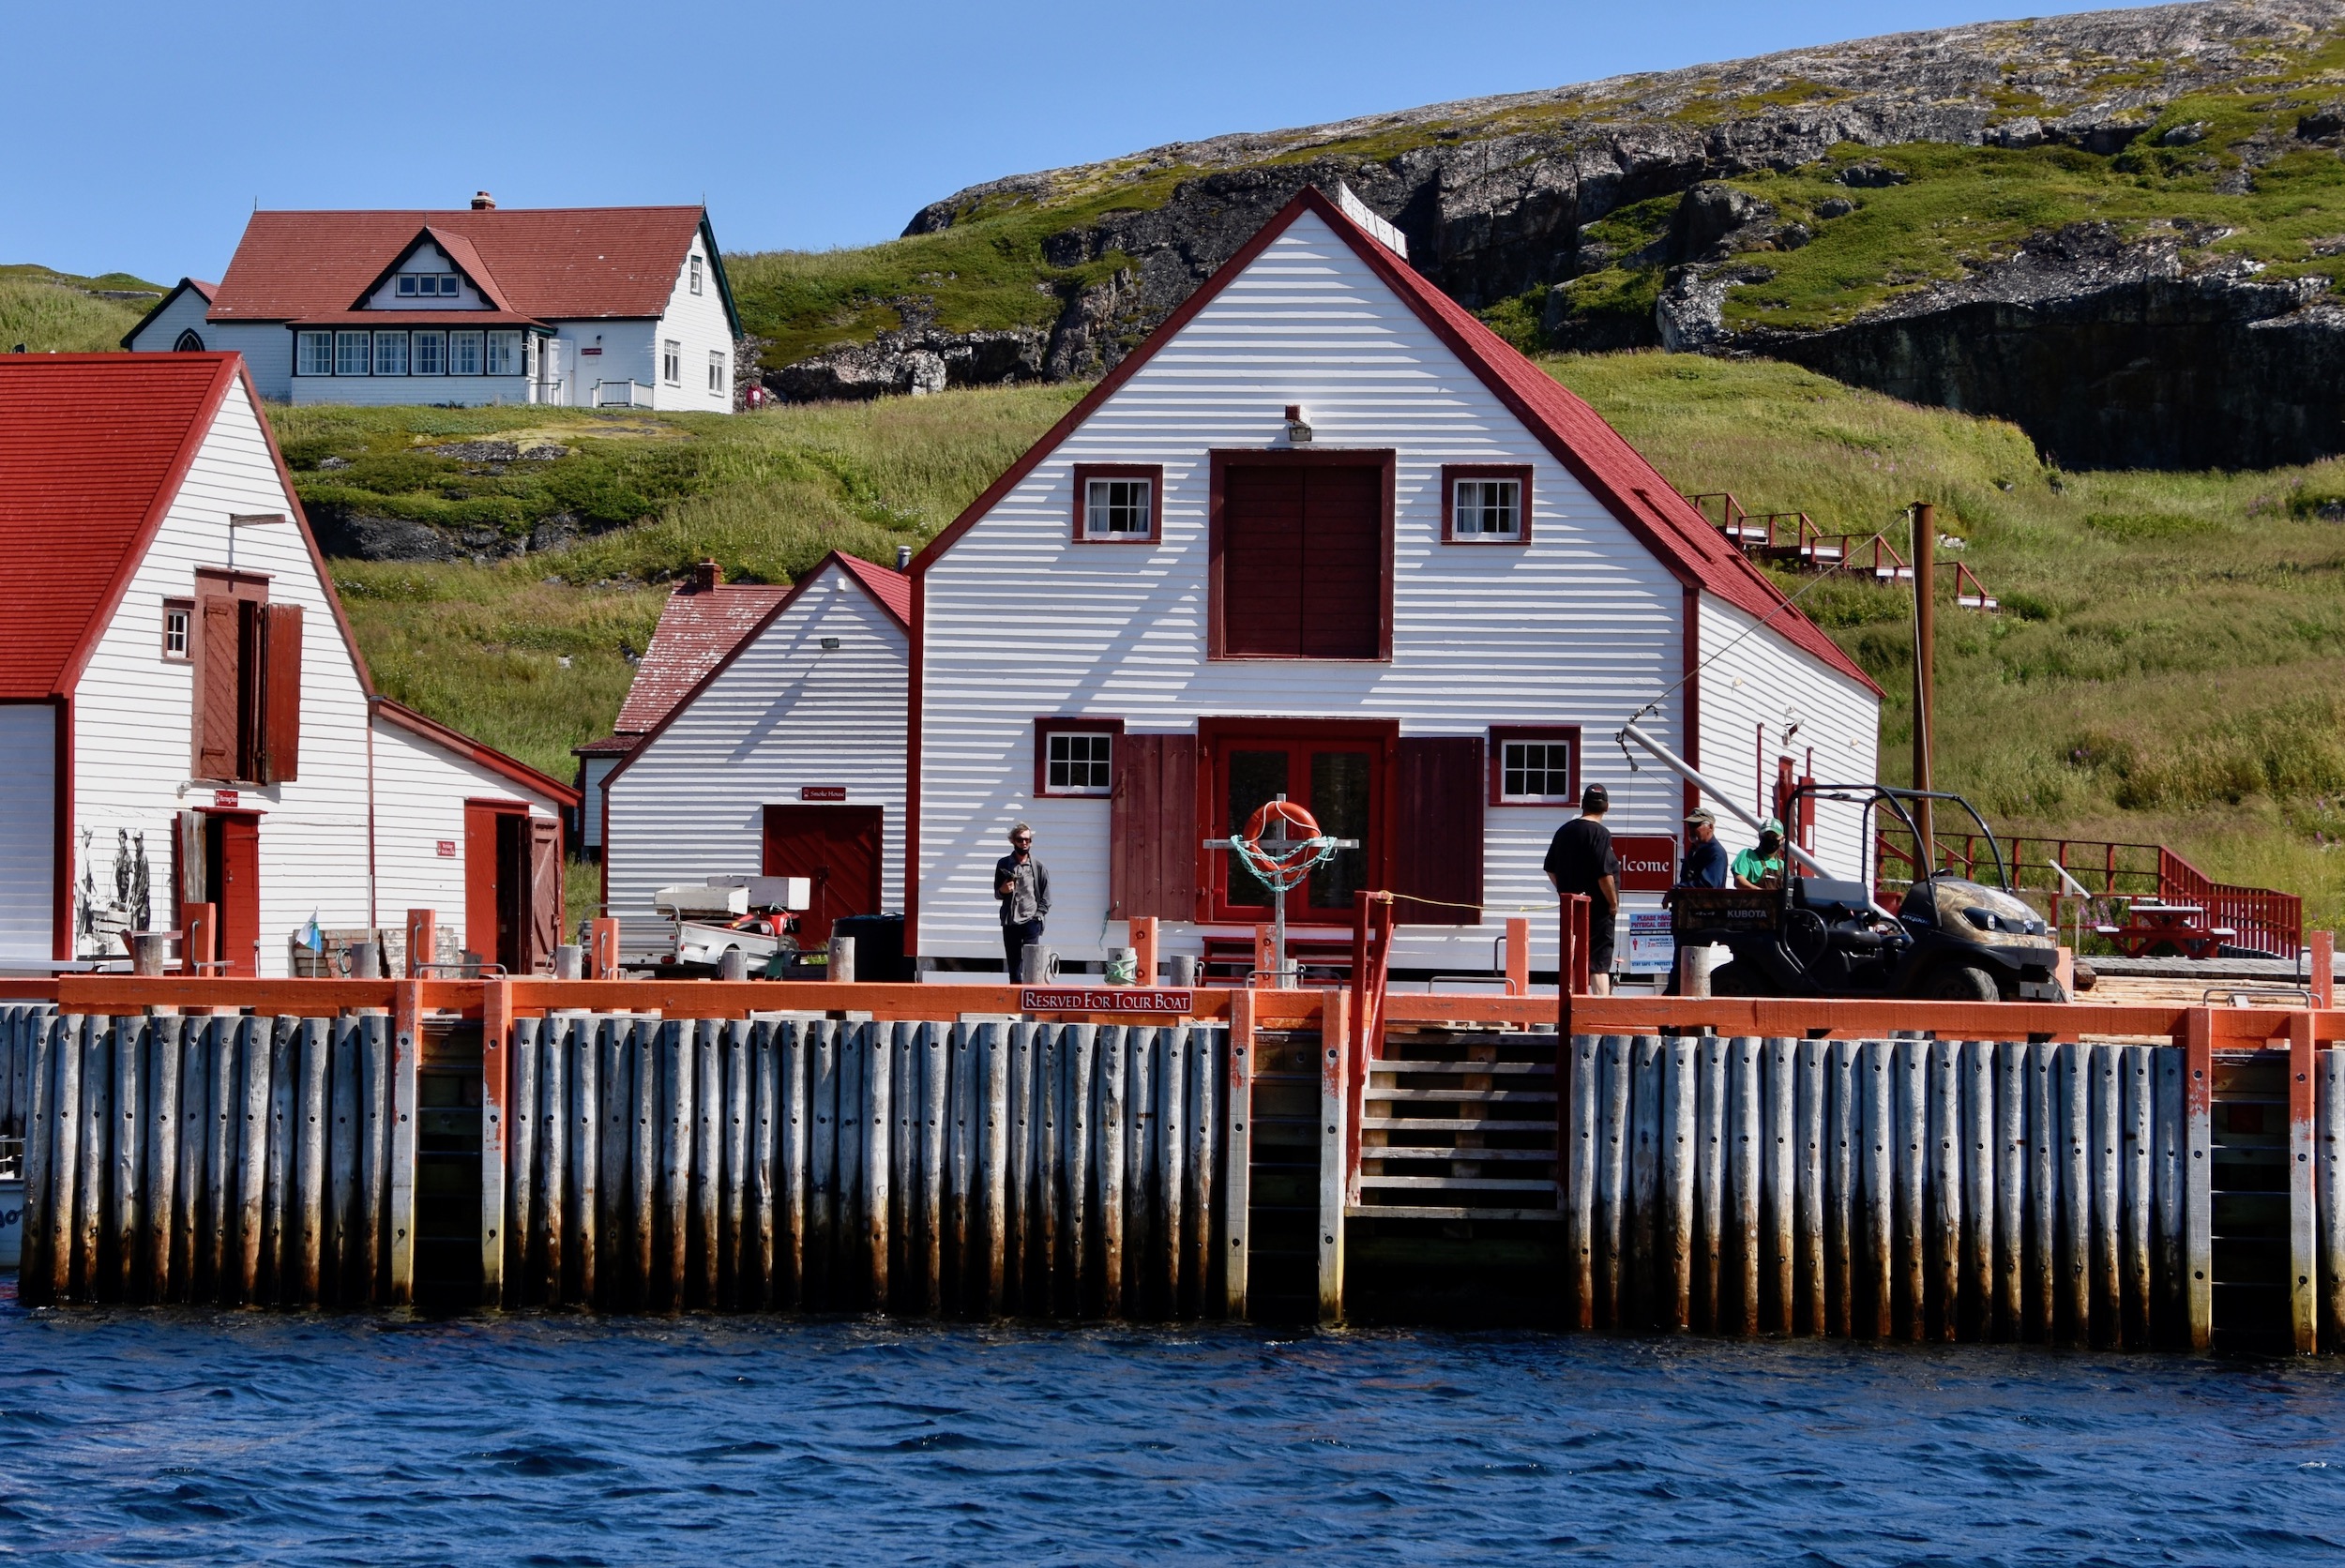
{"points": [[1261, 562], [545, 894], [1438, 795], [219, 678], [1343, 575], [281, 694], [1152, 829]]}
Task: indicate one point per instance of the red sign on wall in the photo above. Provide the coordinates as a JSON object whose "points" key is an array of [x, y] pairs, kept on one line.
{"points": [[448, 848], [223, 800], [822, 792], [1648, 861]]}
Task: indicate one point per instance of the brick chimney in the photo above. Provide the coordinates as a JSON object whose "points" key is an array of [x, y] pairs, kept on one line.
{"points": [[483, 201], [707, 575]]}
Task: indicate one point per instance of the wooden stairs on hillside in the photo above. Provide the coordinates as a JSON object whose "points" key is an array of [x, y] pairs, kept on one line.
{"points": [[1797, 542]]}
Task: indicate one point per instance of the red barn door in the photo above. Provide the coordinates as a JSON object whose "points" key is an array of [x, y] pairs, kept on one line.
{"points": [[836, 849]]}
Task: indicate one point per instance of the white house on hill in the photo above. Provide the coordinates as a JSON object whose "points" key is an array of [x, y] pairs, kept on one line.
{"points": [[785, 757], [184, 716], [1324, 535], [579, 308]]}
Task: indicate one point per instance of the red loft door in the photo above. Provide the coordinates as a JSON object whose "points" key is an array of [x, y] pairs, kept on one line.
{"points": [[836, 849]]}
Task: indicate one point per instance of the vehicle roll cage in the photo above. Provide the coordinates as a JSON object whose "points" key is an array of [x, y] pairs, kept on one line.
{"points": [[1872, 796]]}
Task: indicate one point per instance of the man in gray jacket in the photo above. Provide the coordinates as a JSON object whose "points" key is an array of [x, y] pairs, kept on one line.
{"points": [[1023, 886]]}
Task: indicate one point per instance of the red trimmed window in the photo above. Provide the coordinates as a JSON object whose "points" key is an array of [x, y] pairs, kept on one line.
{"points": [[1486, 503], [1118, 502], [1075, 756], [1535, 764]]}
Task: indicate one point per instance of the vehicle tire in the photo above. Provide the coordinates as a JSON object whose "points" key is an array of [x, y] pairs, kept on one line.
{"points": [[1736, 978], [1961, 982]]}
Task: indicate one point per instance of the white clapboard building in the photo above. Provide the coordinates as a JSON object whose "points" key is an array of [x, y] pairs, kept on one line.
{"points": [[785, 757], [1324, 535], [581, 307], [184, 714]]}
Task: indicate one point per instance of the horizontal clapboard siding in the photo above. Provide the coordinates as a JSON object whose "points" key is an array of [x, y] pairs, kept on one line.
{"points": [[1580, 626], [420, 790], [786, 714], [1761, 683], [132, 709]]}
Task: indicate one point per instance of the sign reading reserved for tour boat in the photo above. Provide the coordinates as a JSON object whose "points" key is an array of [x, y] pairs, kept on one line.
{"points": [[1104, 999]]}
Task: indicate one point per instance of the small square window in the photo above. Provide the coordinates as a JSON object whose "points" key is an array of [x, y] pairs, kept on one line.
{"points": [[1079, 761], [177, 613], [447, 285], [409, 285], [1486, 503], [1535, 766], [1117, 503], [671, 362]]}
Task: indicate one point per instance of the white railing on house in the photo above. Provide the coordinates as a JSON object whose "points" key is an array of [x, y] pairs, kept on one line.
{"points": [[549, 392], [622, 394]]}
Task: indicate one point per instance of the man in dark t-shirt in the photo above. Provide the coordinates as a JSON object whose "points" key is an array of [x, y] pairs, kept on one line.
{"points": [[1580, 860]]}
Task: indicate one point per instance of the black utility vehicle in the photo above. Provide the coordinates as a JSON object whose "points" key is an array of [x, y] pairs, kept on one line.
{"points": [[1952, 940]]}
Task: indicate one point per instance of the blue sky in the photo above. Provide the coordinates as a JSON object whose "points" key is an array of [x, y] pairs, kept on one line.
{"points": [[143, 133]]}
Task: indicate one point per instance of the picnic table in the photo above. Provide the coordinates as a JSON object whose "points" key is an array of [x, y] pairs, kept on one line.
{"points": [[2150, 926]]}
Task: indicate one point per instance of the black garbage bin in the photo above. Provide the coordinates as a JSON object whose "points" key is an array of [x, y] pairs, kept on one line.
{"points": [[879, 946]]}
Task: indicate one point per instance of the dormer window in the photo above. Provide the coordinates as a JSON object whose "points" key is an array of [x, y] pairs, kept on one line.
{"points": [[427, 285]]}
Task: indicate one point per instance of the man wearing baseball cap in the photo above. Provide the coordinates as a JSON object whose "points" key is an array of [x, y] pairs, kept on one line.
{"points": [[1580, 860], [1703, 864]]}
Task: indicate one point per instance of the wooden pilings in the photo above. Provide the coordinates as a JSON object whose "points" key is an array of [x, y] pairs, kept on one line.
{"points": [[973, 1169], [1905, 1189], [203, 1159]]}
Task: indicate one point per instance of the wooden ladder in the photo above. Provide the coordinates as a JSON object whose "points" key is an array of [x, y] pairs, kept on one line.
{"points": [[1459, 1125]]}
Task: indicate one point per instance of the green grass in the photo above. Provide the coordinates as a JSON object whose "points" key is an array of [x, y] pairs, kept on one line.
{"points": [[54, 318], [2164, 670]]}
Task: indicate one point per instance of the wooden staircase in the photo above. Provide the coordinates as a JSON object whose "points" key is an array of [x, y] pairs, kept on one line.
{"points": [[1796, 542], [1458, 1125]]}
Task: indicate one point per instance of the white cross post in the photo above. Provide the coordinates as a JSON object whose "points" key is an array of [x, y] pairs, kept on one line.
{"points": [[1276, 841]]}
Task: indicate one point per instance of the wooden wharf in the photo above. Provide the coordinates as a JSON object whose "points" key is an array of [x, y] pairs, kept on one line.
{"points": [[2138, 1176]]}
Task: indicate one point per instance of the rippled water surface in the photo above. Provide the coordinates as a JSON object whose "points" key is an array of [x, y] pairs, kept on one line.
{"points": [[189, 1437]]}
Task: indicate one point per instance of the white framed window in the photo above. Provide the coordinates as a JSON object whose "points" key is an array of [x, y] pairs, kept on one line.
{"points": [[464, 353], [354, 353], [427, 285], [429, 354], [671, 362], [717, 368], [1077, 760], [1488, 506], [696, 274], [1116, 502], [1535, 766], [504, 354], [314, 353], [390, 354], [177, 613]]}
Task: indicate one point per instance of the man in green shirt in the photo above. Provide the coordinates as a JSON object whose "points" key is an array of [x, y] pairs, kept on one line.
{"points": [[1764, 866]]}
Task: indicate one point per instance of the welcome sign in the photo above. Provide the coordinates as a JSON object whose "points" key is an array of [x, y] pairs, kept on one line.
{"points": [[1648, 861]]}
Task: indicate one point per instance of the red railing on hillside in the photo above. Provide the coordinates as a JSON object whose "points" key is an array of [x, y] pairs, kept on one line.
{"points": [[2261, 918], [1797, 539]]}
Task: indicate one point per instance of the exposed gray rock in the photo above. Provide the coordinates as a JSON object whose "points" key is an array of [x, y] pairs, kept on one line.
{"points": [[1692, 311], [379, 538]]}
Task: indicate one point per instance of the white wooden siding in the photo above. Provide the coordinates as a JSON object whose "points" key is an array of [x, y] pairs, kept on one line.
{"points": [[162, 330], [132, 709], [420, 786], [597, 769], [266, 347], [1580, 626], [381, 391], [697, 321], [28, 841], [1758, 688], [787, 713], [630, 352], [428, 258]]}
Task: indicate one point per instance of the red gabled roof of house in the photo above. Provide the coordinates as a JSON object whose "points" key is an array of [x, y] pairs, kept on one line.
{"points": [[698, 628], [92, 450], [207, 289], [1597, 455], [552, 262], [891, 588]]}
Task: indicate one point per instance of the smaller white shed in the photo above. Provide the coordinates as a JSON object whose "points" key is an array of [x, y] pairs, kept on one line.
{"points": [[786, 759]]}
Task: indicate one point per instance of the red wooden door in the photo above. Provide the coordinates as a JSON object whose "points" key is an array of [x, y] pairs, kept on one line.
{"points": [[1341, 773], [836, 849], [240, 893]]}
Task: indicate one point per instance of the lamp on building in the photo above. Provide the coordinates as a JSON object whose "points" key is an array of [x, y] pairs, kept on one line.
{"points": [[1298, 427]]}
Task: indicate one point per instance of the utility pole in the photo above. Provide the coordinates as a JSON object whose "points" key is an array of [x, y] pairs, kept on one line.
{"points": [[1925, 681]]}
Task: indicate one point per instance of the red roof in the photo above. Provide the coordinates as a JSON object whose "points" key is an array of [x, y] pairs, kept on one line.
{"points": [[892, 588], [92, 450], [1616, 473], [551, 263], [697, 629], [209, 289]]}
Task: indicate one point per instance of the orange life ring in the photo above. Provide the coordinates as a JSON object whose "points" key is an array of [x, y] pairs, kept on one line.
{"points": [[1296, 817]]}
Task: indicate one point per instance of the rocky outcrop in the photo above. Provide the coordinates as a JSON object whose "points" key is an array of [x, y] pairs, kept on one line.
{"points": [[2107, 350]]}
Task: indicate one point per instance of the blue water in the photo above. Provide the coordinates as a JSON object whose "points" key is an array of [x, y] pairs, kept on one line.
{"points": [[141, 1437]]}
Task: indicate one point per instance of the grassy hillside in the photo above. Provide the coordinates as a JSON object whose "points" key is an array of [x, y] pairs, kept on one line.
{"points": [[2165, 669], [57, 312]]}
